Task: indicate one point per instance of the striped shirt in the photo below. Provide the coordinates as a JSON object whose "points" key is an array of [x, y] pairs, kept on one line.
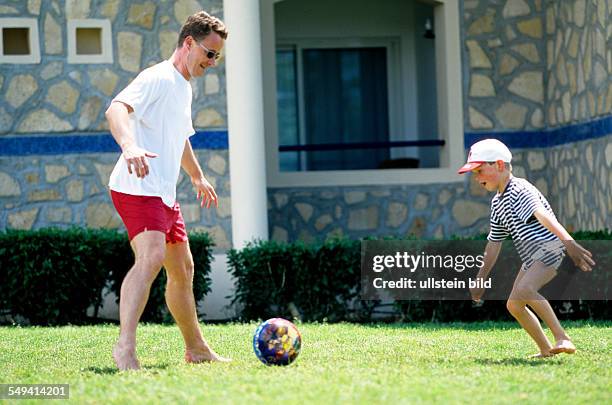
{"points": [[512, 215]]}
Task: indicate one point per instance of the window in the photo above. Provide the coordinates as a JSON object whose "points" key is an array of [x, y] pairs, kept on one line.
{"points": [[412, 118], [19, 40], [89, 41], [332, 104]]}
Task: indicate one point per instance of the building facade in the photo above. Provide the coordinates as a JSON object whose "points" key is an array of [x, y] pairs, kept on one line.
{"points": [[323, 119]]}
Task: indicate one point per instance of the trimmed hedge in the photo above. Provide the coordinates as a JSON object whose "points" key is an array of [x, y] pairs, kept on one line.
{"points": [[52, 276], [275, 279], [322, 283]]}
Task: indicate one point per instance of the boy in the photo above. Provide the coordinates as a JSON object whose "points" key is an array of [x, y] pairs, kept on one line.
{"points": [[519, 210]]}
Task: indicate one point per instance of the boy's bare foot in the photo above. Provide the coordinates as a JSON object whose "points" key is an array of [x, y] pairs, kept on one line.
{"points": [[125, 358], [564, 346], [541, 355], [203, 355]]}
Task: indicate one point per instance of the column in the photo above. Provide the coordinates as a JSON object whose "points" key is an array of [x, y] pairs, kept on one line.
{"points": [[244, 87]]}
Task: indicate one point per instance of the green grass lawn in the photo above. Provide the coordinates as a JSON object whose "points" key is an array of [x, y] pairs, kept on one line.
{"points": [[408, 363]]}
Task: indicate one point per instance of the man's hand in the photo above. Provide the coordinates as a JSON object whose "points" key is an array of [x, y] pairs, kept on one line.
{"points": [[205, 191], [137, 157], [581, 257]]}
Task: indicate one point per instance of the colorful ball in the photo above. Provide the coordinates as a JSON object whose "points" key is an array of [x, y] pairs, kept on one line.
{"points": [[277, 342]]}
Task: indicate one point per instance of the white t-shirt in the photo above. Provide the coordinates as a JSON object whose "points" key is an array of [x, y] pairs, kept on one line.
{"points": [[161, 123]]}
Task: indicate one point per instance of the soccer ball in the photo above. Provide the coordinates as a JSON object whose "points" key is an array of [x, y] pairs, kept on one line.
{"points": [[277, 342]]}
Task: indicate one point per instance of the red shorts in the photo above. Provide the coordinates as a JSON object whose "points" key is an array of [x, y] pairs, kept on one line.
{"points": [[143, 213]]}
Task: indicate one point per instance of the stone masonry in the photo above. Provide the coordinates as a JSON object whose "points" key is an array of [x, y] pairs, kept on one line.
{"points": [[576, 180], [531, 64], [56, 98], [41, 191]]}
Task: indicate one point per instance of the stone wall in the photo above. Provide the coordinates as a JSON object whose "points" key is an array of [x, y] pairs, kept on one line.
{"points": [[58, 98], [575, 178], [428, 211], [533, 66], [580, 183], [55, 96], [579, 60], [41, 191], [504, 65]]}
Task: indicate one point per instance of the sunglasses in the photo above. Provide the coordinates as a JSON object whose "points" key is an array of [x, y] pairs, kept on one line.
{"points": [[210, 54]]}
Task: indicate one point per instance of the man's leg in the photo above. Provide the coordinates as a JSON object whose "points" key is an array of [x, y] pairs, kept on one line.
{"points": [[517, 306], [179, 297], [149, 248]]}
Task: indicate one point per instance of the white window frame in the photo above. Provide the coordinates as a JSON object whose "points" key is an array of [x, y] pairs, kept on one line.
{"points": [[106, 37], [34, 40], [393, 77], [450, 113]]}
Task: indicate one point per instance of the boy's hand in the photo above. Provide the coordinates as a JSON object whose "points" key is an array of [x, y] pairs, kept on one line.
{"points": [[477, 292], [581, 257]]}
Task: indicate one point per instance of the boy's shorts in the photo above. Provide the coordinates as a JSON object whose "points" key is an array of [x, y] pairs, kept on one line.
{"points": [[549, 253], [147, 213]]}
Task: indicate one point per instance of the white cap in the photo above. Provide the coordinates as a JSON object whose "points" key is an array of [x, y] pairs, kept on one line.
{"points": [[487, 150]]}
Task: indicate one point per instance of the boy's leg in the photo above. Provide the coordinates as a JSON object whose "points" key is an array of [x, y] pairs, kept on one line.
{"points": [[148, 249], [517, 306], [538, 275], [181, 303]]}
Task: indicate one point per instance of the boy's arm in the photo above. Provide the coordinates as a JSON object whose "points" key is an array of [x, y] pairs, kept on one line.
{"points": [[490, 257], [190, 164], [117, 115], [582, 257]]}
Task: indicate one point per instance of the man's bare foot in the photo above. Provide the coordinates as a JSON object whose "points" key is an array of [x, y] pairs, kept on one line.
{"points": [[125, 358], [203, 355], [541, 355], [564, 346]]}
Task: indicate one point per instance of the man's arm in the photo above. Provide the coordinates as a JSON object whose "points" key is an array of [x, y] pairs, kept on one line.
{"points": [[205, 190], [117, 115], [490, 257], [582, 257]]}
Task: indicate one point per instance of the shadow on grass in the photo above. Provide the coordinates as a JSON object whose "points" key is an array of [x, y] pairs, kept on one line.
{"points": [[114, 370], [480, 326], [518, 361], [433, 326]]}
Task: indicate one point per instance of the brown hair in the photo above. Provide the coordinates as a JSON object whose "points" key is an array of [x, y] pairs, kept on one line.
{"points": [[201, 24]]}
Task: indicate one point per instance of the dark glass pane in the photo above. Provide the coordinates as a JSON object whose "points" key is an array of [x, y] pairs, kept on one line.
{"points": [[427, 108], [345, 101], [286, 93]]}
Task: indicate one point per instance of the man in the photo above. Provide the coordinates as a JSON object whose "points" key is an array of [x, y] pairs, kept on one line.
{"points": [[151, 121]]}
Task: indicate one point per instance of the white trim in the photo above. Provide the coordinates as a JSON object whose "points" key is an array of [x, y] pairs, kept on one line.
{"points": [[450, 112], [448, 85], [245, 122], [301, 106], [105, 36], [268, 61], [33, 38], [217, 304], [365, 177]]}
